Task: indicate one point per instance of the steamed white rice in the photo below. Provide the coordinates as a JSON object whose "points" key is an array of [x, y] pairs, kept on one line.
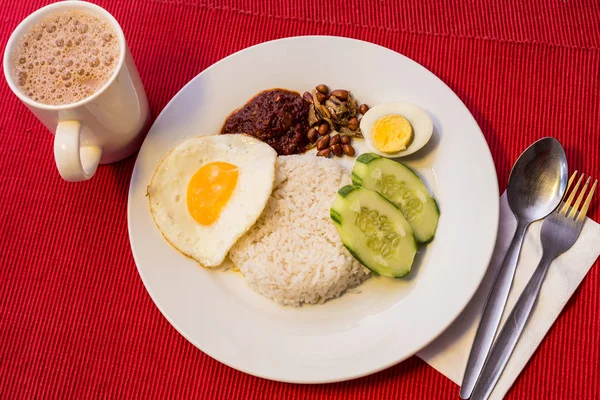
{"points": [[293, 254]]}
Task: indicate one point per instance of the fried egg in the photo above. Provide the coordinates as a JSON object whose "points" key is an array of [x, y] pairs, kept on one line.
{"points": [[208, 191], [396, 129]]}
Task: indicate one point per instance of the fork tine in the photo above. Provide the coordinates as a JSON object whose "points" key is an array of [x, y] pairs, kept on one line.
{"points": [[586, 204], [571, 179], [575, 207], [569, 184], [565, 206]]}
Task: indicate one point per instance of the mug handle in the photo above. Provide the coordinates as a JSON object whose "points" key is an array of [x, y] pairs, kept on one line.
{"points": [[75, 162]]}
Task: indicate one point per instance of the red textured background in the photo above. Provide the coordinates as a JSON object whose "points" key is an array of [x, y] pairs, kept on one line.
{"points": [[75, 319]]}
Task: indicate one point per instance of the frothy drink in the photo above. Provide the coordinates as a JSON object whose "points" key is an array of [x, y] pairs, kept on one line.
{"points": [[66, 57]]}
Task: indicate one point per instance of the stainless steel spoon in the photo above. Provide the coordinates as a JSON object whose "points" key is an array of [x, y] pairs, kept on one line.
{"points": [[536, 185]]}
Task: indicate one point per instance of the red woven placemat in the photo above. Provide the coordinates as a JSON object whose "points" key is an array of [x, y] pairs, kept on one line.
{"points": [[75, 319]]}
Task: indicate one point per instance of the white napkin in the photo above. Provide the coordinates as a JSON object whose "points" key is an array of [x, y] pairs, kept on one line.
{"points": [[449, 353]]}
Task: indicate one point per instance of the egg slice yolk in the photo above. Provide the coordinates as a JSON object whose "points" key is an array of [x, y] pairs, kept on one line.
{"points": [[209, 191], [391, 133]]}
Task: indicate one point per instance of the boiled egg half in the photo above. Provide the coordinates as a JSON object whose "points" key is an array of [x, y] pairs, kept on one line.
{"points": [[208, 191], [396, 129]]}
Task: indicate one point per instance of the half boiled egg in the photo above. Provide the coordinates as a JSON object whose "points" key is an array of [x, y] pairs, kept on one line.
{"points": [[396, 129]]}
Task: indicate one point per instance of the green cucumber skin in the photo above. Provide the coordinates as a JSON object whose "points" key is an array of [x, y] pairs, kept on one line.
{"points": [[366, 158], [356, 180], [437, 210], [346, 190], [341, 206], [400, 276], [361, 170], [335, 216]]}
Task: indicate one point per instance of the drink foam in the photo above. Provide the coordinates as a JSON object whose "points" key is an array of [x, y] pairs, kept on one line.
{"points": [[66, 57]]}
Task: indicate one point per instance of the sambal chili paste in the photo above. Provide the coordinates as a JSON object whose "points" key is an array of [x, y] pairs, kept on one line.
{"points": [[278, 117]]}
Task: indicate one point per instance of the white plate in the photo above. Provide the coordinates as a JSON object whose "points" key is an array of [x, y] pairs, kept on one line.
{"points": [[359, 333]]}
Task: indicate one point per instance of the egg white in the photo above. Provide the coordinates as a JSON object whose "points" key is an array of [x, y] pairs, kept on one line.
{"points": [[167, 194], [421, 123]]}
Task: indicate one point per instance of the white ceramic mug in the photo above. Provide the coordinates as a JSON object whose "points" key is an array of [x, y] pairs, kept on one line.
{"points": [[105, 127]]}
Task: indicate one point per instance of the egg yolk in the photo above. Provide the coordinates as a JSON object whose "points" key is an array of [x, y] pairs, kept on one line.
{"points": [[391, 133], [209, 191]]}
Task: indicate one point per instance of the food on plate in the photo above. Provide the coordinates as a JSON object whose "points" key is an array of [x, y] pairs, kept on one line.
{"points": [[374, 231], [332, 117], [278, 117], [403, 187], [293, 124], [208, 191], [384, 215], [293, 254], [273, 215], [396, 129]]}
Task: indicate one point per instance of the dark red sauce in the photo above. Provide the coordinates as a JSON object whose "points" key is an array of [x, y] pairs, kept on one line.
{"points": [[278, 117]]}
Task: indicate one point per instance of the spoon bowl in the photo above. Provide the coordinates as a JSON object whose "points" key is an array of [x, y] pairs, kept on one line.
{"points": [[538, 180]]}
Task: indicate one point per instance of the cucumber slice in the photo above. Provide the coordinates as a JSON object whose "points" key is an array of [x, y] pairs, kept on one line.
{"points": [[374, 231], [400, 185]]}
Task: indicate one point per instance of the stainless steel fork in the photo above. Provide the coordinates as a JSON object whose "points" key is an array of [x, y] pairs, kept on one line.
{"points": [[559, 232]]}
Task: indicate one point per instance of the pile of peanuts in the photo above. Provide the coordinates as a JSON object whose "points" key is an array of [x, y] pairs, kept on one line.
{"points": [[328, 141], [326, 145]]}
